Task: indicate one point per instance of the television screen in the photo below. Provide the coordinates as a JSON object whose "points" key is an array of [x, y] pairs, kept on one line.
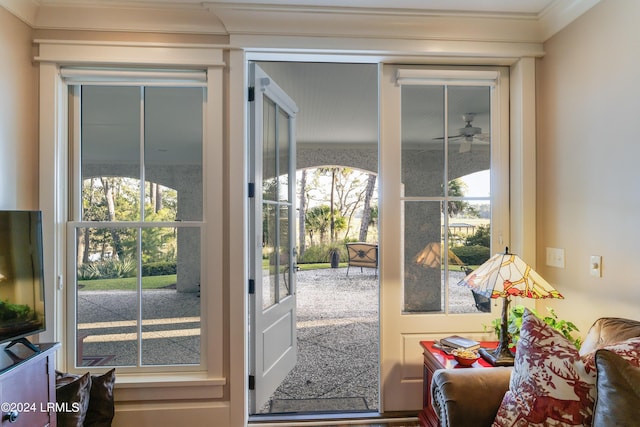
{"points": [[21, 275]]}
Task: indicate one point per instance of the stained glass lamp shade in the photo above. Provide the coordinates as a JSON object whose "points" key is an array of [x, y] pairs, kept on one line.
{"points": [[504, 276], [431, 256]]}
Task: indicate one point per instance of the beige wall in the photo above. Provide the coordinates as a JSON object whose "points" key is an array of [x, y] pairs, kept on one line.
{"points": [[588, 152], [18, 116]]}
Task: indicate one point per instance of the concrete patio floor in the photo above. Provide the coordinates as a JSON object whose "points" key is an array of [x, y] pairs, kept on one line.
{"points": [[107, 331], [337, 340], [337, 336]]}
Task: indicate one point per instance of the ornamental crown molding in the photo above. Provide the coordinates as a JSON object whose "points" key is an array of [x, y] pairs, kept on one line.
{"points": [[231, 18]]}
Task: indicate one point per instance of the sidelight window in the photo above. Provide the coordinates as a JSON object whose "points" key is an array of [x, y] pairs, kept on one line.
{"points": [[446, 169]]}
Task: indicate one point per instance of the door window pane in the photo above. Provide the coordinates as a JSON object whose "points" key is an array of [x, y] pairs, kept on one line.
{"points": [[269, 151], [269, 255], [284, 139], [284, 258], [277, 275]]}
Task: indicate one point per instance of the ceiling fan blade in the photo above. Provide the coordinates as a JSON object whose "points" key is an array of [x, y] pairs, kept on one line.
{"points": [[450, 136]]}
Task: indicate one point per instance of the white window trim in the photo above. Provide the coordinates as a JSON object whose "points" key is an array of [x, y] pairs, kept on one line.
{"points": [[54, 190], [76, 77], [499, 157]]}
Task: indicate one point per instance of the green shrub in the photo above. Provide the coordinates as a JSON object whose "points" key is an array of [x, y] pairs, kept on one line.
{"points": [[161, 268], [322, 253], [472, 255], [482, 237], [109, 268]]}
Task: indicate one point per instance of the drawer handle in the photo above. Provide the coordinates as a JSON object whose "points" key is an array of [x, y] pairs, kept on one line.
{"points": [[12, 416]]}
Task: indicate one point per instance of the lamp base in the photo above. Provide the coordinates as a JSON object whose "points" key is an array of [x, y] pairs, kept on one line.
{"points": [[498, 357]]}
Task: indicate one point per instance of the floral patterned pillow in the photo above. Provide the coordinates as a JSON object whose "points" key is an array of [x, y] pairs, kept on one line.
{"points": [[628, 350], [551, 385]]}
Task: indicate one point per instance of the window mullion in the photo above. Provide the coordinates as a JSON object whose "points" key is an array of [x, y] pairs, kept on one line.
{"points": [[142, 146], [139, 294], [445, 250], [143, 185], [277, 203]]}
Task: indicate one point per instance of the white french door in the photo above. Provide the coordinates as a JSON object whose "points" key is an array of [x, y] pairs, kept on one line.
{"points": [[443, 169], [272, 301]]}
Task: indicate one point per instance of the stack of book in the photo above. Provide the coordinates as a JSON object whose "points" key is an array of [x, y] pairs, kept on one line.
{"points": [[455, 341]]}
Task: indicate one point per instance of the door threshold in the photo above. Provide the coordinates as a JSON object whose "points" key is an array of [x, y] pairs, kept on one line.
{"points": [[337, 418]]}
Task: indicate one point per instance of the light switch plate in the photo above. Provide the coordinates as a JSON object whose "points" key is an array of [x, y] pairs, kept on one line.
{"points": [[555, 257]]}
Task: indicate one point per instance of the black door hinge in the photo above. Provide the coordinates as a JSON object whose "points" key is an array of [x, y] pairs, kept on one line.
{"points": [[252, 286], [252, 94], [252, 382], [252, 189]]}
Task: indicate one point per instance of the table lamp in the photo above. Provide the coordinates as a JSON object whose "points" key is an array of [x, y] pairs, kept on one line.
{"points": [[504, 276]]}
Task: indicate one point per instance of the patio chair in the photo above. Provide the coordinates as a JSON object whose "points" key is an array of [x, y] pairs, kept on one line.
{"points": [[362, 255]]}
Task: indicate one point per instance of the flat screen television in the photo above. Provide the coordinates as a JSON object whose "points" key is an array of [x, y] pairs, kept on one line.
{"points": [[22, 307]]}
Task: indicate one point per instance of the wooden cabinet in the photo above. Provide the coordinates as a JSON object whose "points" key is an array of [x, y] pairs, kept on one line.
{"points": [[28, 386], [437, 359]]}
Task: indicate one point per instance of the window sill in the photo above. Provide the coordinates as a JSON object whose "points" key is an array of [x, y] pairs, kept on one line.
{"points": [[137, 387]]}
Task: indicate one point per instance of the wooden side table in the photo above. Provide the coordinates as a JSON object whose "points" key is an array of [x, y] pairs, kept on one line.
{"points": [[28, 386], [437, 359]]}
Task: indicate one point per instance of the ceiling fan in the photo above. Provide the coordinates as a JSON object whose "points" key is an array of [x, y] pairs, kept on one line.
{"points": [[468, 133]]}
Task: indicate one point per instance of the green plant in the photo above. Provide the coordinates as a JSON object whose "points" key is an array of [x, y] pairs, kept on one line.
{"points": [[160, 268], [109, 268], [472, 255], [15, 312], [322, 253], [515, 323]]}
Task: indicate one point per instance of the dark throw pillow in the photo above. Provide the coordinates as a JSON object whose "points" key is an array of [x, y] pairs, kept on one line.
{"points": [[101, 408], [618, 391], [72, 396]]}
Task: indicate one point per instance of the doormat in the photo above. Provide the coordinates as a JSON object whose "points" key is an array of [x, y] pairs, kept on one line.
{"points": [[333, 404]]}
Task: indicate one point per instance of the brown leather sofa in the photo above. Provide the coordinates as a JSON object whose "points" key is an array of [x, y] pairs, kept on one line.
{"points": [[471, 397]]}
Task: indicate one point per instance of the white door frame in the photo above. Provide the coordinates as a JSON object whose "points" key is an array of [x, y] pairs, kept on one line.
{"points": [[522, 200]]}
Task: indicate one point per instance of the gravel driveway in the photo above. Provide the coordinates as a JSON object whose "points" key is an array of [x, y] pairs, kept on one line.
{"points": [[338, 335]]}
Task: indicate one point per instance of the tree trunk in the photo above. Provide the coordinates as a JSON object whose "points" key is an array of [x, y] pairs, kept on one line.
{"points": [[111, 208], [152, 195], [302, 213], [332, 230], [85, 239], [158, 204], [366, 215]]}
